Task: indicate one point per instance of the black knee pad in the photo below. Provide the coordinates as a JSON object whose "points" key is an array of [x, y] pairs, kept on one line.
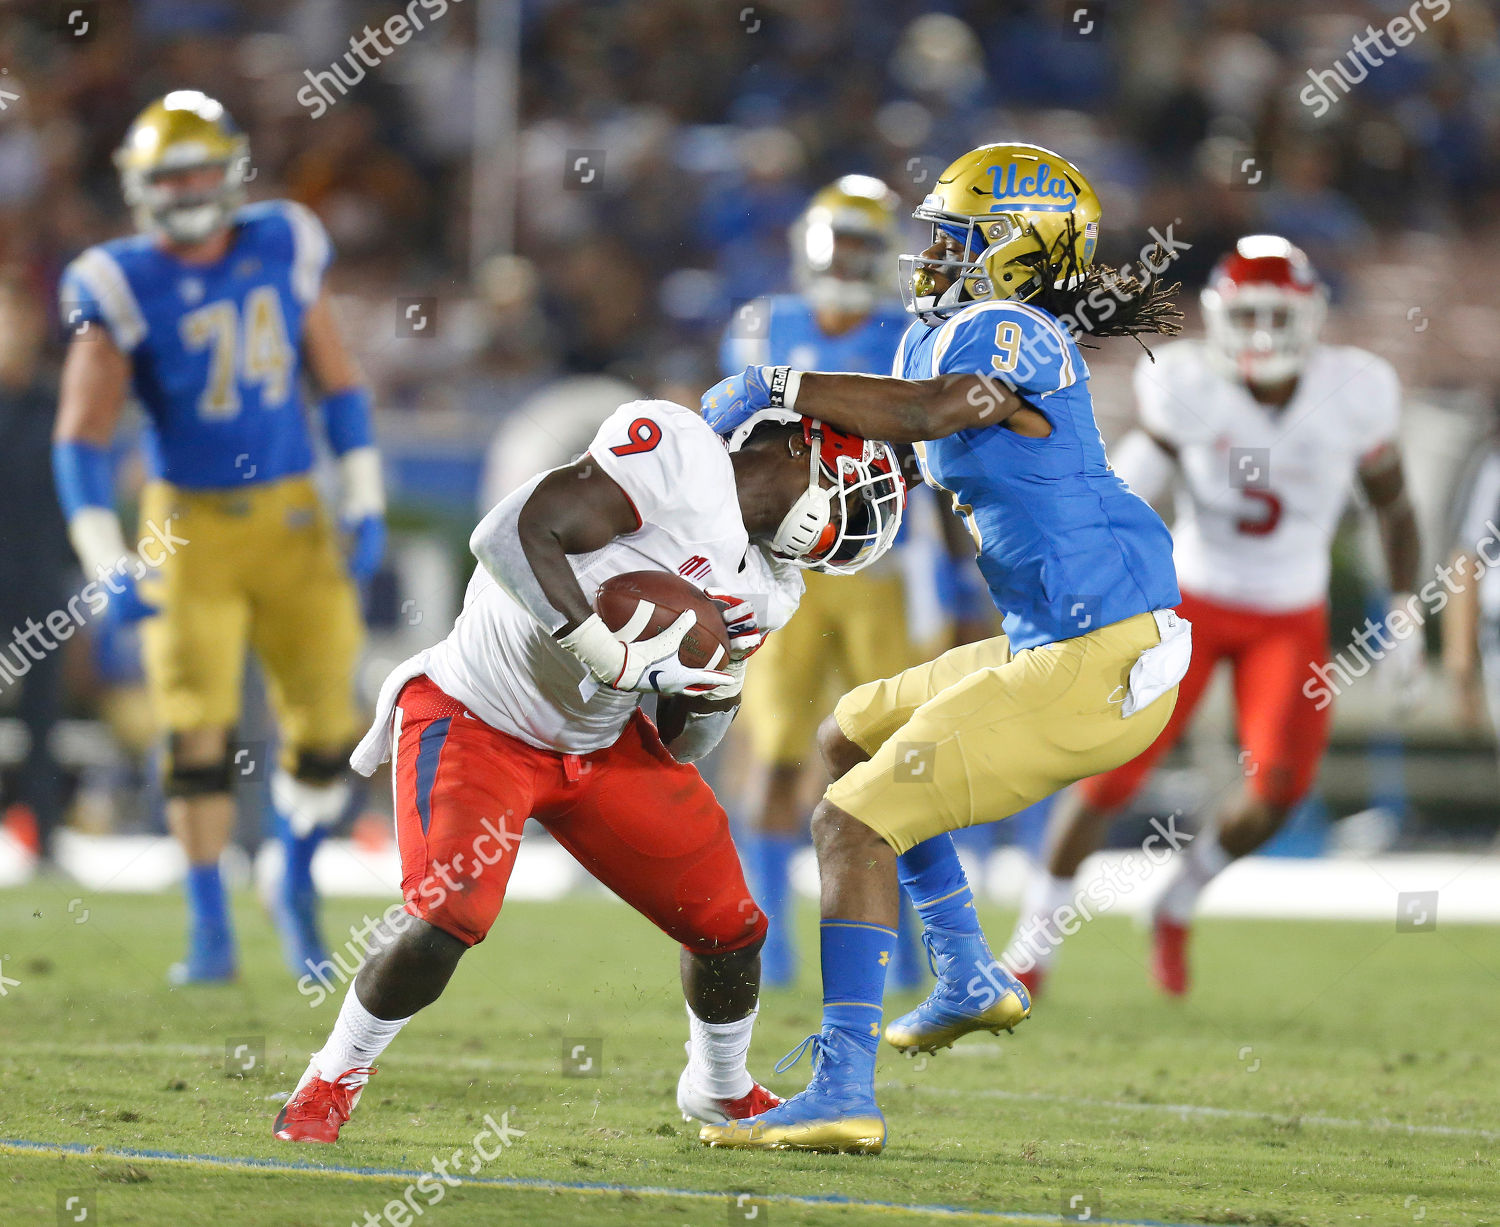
{"points": [[321, 767], [200, 781]]}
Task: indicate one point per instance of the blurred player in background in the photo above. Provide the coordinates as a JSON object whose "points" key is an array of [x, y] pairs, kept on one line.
{"points": [[994, 391], [36, 565], [1263, 432], [210, 317], [844, 316], [1471, 629], [531, 708]]}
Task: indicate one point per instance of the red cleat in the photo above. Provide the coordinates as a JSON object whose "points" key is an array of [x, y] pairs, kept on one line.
{"points": [[695, 1105], [1169, 961], [1033, 981], [318, 1109], [20, 822]]}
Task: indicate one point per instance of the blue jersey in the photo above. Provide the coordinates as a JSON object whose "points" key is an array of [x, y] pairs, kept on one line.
{"points": [[215, 349], [782, 330], [1065, 546]]}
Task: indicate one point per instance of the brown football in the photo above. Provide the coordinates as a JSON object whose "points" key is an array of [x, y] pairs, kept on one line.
{"points": [[705, 646]]}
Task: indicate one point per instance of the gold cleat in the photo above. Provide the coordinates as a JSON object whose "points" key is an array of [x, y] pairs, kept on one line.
{"points": [[856, 1135], [933, 1025]]}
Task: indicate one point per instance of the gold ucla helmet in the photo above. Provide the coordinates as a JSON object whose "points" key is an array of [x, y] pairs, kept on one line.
{"points": [[184, 131], [1020, 216], [843, 243]]}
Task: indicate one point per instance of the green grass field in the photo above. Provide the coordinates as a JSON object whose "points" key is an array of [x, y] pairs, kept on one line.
{"points": [[1320, 1074]]}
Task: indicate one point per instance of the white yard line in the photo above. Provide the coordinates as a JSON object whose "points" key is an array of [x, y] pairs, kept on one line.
{"points": [[515, 1065]]}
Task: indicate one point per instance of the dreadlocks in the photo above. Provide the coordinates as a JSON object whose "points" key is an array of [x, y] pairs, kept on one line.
{"points": [[1103, 301]]}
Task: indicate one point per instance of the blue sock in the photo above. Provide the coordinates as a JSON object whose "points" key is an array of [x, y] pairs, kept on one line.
{"points": [[855, 956], [771, 857], [770, 867], [208, 913], [934, 878], [298, 882]]}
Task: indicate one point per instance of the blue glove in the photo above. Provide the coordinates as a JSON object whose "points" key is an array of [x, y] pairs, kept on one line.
{"points": [[127, 605], [730, 402], [366, 546]]}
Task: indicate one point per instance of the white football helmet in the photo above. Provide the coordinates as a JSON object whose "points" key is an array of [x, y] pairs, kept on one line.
{"points": [[1263, 308], [851, 510]]}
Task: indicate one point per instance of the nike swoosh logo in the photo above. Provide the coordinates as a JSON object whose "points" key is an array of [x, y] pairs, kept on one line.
{"points": [[652, 678]]}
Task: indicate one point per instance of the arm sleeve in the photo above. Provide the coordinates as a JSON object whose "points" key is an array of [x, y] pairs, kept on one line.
{"points": [[672, 467], [1022, 346]]}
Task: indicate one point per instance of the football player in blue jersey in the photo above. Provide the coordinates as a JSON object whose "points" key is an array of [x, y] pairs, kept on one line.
{"points": [[211, 317], [993, 391], [844, 316]]}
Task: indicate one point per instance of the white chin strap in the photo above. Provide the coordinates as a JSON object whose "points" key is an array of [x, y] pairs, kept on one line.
{"points": [[804, 524]]}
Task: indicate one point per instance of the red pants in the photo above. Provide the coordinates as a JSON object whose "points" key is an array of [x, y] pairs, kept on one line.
{"points": [[645, 825], [1281, 730]]}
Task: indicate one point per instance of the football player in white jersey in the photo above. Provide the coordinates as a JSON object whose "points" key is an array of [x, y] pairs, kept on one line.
{"points": [[1263, 431], [530, 708]]}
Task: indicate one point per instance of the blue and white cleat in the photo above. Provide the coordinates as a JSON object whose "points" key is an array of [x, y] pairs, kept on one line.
{"points": [[837, 1114], [973, 993]]}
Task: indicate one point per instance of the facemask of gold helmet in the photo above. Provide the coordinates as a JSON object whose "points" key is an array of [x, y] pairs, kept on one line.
{"points": [[1013, 219], [843, 243], [182, 166]]}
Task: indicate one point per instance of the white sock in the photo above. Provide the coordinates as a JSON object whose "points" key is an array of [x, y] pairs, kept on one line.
{"points": [[1032, 943], [1202, 863], [358, 1038], [716, 1055]]}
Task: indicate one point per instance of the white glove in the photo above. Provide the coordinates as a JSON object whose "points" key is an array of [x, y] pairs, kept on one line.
{"points": [[646, 664], [1403, 671]]}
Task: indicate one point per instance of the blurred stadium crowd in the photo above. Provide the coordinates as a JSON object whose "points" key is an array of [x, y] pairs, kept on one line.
{"points": [[715, 121], [704, 125]]}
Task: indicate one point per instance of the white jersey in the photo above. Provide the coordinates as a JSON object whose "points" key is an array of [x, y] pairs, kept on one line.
{"points": [[1260, 490], [512, 674]]}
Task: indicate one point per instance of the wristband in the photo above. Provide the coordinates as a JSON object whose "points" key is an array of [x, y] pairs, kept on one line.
{"points": [[362, 491], [782, 387], [596, 646], [83, 474], [347, 419]]}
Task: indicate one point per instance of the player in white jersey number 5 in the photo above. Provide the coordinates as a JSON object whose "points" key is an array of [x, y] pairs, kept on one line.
{"points": [[1265, 431], [530, 709]]}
